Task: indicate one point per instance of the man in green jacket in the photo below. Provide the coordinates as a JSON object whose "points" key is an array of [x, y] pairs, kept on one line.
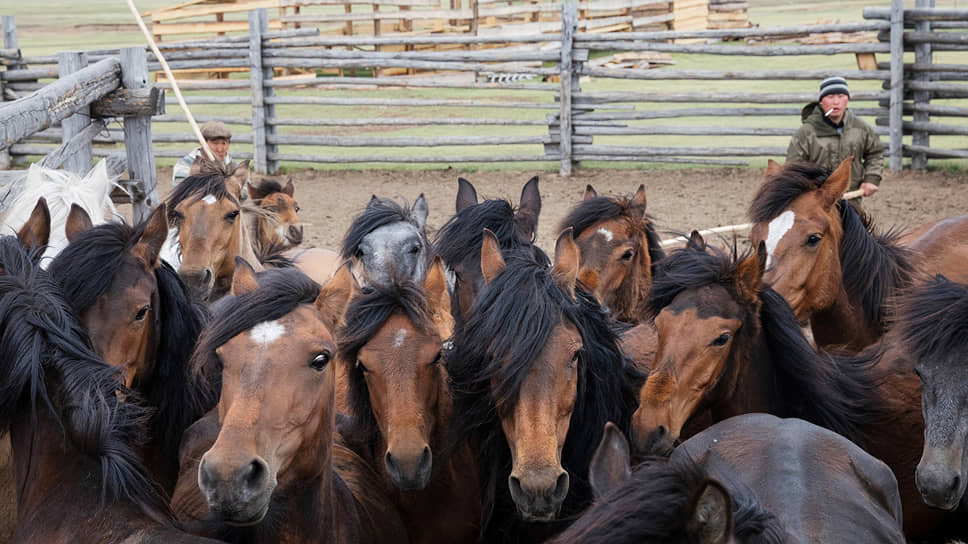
{"points": [[830, 133]]}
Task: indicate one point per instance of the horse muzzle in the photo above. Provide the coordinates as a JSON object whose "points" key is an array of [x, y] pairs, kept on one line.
{"points": [[237, 493], [939, 478], [539, 494]]}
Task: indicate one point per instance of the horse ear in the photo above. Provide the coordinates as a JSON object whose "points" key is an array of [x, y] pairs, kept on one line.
{"points": [[254, 193], [289, 189], [78, 221], [239, 178], [696, 241], [567, 261], [772, 168], [435, 286], [466, 194], [420, 211], [36, 231], [243, 279], [529, 207], [335, 296], [609, 467], [372, 202], [710, 519], [835, 185], [749, 273], [590, 192], [639, 202], [492, 263], [148, 248]]}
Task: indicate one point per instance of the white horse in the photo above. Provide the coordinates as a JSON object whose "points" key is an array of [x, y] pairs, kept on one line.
{"points": [[61, 189]]}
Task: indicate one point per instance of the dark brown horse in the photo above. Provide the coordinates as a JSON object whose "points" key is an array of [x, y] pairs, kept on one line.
{"points": [[536, 372], [830, 264], [78, 477], [141, 319], [618, 246], [273, 473], [391, 347]]}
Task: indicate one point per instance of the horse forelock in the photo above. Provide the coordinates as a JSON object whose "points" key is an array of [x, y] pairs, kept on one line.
{"points": [[379, 212], [779, 191], [933, 318]]}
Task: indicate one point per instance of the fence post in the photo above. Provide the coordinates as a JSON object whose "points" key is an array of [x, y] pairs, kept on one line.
{"points": [[9, 42], [80, 162], [569, 22], [261, 112], [137, 137], [896, 117], [922, 55]]}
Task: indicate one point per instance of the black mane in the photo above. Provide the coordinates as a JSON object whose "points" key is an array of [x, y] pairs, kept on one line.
{"points": [[490, 350], [379, 212], [601, 208], [202, 184], [934, 321], [782, 188], [268, 187], [460, 237]]}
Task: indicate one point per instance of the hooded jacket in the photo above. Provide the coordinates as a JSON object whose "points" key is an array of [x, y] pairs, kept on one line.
{"points": [[818, 141]]}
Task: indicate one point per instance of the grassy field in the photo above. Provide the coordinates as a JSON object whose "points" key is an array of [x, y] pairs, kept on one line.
{"points": [[57, 26]]}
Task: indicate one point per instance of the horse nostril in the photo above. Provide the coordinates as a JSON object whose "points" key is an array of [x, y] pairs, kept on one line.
{"points": [[515, 484], [954, 484], [425, 458], [660, 431], [207, 276], [561, 487], [254, 476]]}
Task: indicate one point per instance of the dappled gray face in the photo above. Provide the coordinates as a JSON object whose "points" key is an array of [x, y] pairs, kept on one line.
{"points": [[393, 252], [943, 470]]}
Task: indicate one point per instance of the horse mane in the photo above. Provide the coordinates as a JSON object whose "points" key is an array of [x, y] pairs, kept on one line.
{"points": [[602, 208], [85, 271], [267, 187], [650, 508], [461, 236], [933, 318], [48, 363], [488, 354], [364, 317], [379, 212], [781, 189], [209, 183], [280, 291], [875, 267]]}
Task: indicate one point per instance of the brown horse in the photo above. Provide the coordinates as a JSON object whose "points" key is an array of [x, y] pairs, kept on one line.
{"points": [[273, 473], [618, 246], [277, 222], [391, 348], [828, 262]]}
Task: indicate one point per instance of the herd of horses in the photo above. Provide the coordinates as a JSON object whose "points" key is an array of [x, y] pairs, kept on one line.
{"points": [[201, 377]]}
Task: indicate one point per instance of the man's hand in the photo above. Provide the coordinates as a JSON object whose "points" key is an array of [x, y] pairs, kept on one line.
{"points": [[869, 189]]}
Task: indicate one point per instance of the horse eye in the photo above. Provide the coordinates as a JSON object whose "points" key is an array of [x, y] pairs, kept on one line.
{"points": [[721, 340], [361, 366], [627, 256], [142, 313], [297, 208], [320, 361], [231, 215], [813, 240], [438, 358], [272, 209], [414, 250]]}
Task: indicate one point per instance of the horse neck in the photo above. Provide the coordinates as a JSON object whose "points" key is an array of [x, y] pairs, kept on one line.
{"points": [[843, 325], [245, 241], [750, 384]]}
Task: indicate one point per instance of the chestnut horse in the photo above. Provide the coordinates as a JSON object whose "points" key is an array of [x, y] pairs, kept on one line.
{"points": [[830, 264], [141, 319], [276, 221], [272, 472], [619, 246], [388, 242], [536, 373], [391, 348], [77, 475]]}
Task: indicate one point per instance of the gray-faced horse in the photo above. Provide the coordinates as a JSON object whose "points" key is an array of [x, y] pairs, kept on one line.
{"points": [[388, 242]]}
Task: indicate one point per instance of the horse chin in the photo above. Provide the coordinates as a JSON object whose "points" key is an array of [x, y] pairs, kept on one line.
{"points": [[543, 516], [241, 519]]}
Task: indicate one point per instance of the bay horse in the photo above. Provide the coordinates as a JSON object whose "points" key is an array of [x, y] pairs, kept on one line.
{"points": [[78, 477], [391, 348], [276, 223], [829, 262], [731, 345], [271, 472], [388, 241], [619, 246], [458, 242], [536, 373], [141, 319]]}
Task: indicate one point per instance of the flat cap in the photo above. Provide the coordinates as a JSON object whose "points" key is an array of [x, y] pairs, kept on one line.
{"points": [[214, 130]]}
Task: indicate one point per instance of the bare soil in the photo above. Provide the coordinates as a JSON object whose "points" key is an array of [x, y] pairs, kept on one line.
{"points": [[679, 200]]}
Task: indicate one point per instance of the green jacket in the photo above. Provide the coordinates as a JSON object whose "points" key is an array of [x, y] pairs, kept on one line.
{"points": [[819, 142]]}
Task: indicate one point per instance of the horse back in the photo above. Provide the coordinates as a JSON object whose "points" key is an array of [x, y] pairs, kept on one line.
{"points": [[941, 247]]}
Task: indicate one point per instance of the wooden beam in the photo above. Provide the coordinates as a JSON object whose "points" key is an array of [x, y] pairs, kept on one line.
{"points": [[82, 159], [148, 101], [137, 136], [569, 25]]}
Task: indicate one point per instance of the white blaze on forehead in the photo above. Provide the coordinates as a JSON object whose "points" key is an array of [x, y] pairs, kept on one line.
{"points": [[606, 233], [776, 230], [267, 332], [209, 199], [399, 337], [170, 252]]}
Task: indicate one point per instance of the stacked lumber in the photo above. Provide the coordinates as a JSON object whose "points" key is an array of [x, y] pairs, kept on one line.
{"points": [[725, 14], [690, 15], [634, 60]]}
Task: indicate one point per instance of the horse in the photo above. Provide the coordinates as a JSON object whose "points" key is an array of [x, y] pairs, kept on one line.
{"points": [[829, 262], [271, 472], [933, 320], [458, 242], [60, 189], [141, 319], [535, 373], [387, 241], [78, 477], [619, 246], [731, 345], [276, 223], [391, 348], [665, 501]]}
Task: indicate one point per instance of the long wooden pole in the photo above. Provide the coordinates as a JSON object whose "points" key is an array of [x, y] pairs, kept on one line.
{"points": [[171, 78]]}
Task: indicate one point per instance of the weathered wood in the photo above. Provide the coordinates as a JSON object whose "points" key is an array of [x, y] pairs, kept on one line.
{"points": [[922, 55], [207, 64], [917, 14], [937, 110], [41, 150], [492, 55], [511, 68], [937, 153], [731, 33], [177, 118], [738, 74], [130, 102], [739, 50], [743, 97], [592, 116], [138, 137], [331, 82], [401, 121], [569, 25], [933, 68], [937, 129], [28, 75], [256, 78], [209, 53], [357, 41], [401, 102], [10, 40], [409, 159], [652, 158], [80, 142], [649, 130], [939, 88], [81, 160], [926, 36], [895, 153], [751, 151], [409, 141], [210, 100]]}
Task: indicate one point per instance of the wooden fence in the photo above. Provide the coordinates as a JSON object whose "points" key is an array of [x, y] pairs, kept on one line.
{"points": [[527, 103]]}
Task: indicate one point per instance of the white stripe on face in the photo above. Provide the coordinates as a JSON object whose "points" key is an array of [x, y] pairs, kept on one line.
{"points": [[267, 332], [776, 230], [606, 233], [399, 337], [209, 199]]}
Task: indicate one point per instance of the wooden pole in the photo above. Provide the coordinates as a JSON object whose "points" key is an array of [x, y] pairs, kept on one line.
{"points": [[569, 24], [262, 112], [897, 84], [9, 42], [137, 137], [80, 162], [922, 55]]}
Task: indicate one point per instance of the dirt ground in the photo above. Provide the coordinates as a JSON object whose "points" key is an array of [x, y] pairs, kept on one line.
{"points": [[679, 200]]}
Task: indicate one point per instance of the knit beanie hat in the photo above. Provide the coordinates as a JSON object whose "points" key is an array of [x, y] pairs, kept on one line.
{"points": [[833, 85]]}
